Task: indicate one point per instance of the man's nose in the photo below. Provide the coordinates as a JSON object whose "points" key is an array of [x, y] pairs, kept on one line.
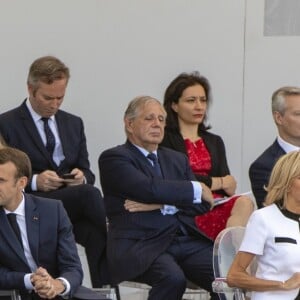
{"points": [[156, 122], [56, 102]]}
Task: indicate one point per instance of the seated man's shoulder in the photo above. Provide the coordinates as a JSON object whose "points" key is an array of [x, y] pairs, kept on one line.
{"points": [[43, 201], [68, 116], [172, 156], [130, 151], [120, 149], [172, 152], [268, 157], [9, 115]]}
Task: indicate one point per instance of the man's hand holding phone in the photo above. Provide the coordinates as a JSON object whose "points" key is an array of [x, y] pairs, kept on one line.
{"points": [[48, 181], [75, 177], [68, 176]]}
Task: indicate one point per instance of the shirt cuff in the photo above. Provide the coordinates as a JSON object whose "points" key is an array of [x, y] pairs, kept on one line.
{"points": [[169, 210], [27, 282], [67, 285], [33, 182], [197, 191]]}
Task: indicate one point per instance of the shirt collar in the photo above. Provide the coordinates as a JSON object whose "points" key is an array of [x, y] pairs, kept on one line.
{"points": [[144, 151], [20, 210], [287, 147]]}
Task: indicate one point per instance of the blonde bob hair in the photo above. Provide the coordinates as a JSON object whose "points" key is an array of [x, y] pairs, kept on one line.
{"points": [[286, 169]]}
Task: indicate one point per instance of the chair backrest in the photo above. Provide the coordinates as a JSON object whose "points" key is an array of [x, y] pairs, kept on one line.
{"points": [[226, 246]]}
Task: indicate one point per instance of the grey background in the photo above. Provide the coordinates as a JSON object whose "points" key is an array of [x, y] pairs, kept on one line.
{"points": [[118, 49]]}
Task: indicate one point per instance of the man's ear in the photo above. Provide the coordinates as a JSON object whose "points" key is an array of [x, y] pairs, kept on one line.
{"points": [[32, 90], [277, 117], [128, 125], [22, 182]]}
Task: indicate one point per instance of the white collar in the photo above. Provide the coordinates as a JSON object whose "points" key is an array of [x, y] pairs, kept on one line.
{"points": [[20, 210], [144, 151], [287, 147]]}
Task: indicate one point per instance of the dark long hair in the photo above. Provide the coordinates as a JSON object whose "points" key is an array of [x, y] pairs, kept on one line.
{"points": [[174, 92]]}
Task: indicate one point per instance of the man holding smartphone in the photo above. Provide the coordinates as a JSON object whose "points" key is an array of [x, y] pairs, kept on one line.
{"points": [[55, 142]]}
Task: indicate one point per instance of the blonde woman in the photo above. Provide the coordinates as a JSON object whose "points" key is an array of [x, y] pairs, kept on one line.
{"points": [[272, 236]]}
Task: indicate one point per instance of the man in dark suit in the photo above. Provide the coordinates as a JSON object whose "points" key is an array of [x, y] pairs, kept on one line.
{"points": [[151, 206], [286, 114], [38, 254], [55, 142]]}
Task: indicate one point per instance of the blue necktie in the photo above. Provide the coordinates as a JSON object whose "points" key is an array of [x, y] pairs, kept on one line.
{"points": [[50, 138], [156, 166], [12, 218]]}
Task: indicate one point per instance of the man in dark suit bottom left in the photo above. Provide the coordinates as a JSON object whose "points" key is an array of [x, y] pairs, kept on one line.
{"points": [[40, 260]]}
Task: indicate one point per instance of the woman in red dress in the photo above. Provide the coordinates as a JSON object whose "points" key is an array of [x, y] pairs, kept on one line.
{"points": [[186, 101]]}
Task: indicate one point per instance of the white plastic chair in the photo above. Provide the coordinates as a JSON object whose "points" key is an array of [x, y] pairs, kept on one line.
{"points": [[191, 291], [226, 246]]}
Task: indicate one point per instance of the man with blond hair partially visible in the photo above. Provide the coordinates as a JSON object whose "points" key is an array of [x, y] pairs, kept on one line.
{"points": [[286, 115]]}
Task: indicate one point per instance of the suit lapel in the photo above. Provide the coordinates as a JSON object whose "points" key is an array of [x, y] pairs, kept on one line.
{"points": [[163, 161], [32, 226], [278, 151], [63, 133], [32, 131], [10, 237]]}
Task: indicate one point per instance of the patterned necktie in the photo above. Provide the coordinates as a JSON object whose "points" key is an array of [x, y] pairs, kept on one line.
{"points": [[153, 157], [50, 138], [12, 218]]}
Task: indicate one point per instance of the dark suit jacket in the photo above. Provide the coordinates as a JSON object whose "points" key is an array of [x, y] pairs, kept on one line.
{"points": [[215, 146], [18, 130], [260, 171], [51, 243], [136, 239]]}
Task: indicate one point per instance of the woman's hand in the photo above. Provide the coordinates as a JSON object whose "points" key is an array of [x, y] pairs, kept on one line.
{"points": [[229, 185], [292, 283]]}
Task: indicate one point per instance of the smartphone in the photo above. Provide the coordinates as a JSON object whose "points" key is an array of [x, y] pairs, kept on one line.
{"points": [[68, 176]]}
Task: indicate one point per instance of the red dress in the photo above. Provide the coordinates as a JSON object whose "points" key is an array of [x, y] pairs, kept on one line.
{"points": [[212, 222]]}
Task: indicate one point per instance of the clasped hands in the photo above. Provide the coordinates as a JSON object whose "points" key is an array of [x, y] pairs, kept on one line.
{"points": [[50, 181], [45, 285]]}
